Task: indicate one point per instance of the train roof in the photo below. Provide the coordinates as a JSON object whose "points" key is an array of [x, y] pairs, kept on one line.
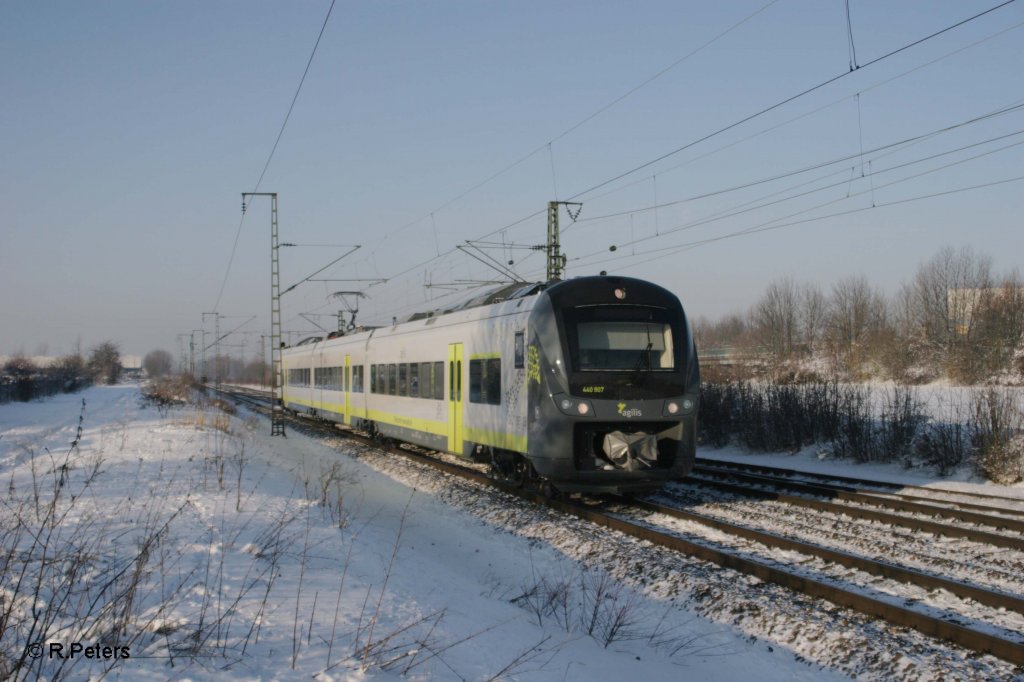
{"points": [[477, 298], [482, 297]]}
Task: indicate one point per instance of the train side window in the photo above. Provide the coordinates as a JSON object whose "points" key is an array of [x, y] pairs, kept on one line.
{"points": [[414, 380], [438, 380], [492, 381], [485, 381], [520, 351], [403, 379], [357, 379], [392, 379], [426, 384], [373, 378], [476, 381]]}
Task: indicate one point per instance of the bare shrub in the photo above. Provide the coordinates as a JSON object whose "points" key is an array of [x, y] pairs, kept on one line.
{"points": [[105, 363], [769, 415], [855, 438], [23, 371], [944, 446], [225, 406], [59, 578], [900, 422], [998, 436], [70, 371], [169, 391], [594, 603], [157, 363], [716, 410]]}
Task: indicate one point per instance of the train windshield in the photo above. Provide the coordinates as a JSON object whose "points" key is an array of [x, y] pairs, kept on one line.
{"points": [[636, 338]]}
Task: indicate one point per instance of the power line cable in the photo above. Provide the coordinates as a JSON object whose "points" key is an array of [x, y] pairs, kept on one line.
{"points": [[817, 110], [789, 99], [763, 226], [811, 112], [766, 227], [1016, 106], [583, 121], [871, 190], [755, 115], [879, 84], [280, 133]]}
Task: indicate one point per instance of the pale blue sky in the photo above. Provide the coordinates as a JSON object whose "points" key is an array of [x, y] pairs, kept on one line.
{"points": [[128, 131]]}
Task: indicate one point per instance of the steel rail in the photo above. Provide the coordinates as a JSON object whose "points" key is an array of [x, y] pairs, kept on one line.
{"points": [[779, 471], [998, 522], [974, 535], [931, 626], [873, 566]]}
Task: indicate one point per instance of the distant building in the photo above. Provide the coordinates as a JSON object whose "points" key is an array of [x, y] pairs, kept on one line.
{"points": [[131, 362], [962, 303]]}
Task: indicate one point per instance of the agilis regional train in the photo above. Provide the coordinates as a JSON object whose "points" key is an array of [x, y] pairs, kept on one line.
{"points": [[589, 384]]}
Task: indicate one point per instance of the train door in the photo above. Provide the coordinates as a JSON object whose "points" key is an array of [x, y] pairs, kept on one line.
{"points": [[346, 385], [455, 398]]}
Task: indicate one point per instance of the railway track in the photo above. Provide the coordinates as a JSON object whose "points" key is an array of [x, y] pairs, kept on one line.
{"points": [[743, 550], [916, 517], [1000, 518]]}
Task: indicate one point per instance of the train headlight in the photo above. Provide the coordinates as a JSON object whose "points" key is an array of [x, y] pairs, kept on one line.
{"points": [[572, 406], [676, 408]]}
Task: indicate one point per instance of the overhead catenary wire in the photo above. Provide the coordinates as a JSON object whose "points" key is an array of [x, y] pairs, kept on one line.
{"points": [[790, 98], [870, 190], [1010, 108], [787, 100], [769, 226], [766, 225], [572, 128], [440, 254], [813, 111], [273, 150]]}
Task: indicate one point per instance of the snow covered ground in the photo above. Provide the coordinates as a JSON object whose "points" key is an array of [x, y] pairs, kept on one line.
{"points": [[205, 549]]}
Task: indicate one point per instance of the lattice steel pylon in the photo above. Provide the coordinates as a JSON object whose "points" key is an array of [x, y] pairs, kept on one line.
{"points": [[556, 259], [277, 372]]}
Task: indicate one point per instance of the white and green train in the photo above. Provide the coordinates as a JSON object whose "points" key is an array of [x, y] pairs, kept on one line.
{"points": [[589, 384]]}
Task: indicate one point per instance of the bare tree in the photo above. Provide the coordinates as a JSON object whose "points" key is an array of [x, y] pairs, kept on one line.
{"points": [[857, 318], [813, 317], [105, 362], [997, 327], [947, 290], [775, 317], [731, 330], [157, 363]]}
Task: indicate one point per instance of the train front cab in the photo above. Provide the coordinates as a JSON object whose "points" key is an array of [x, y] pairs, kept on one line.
{"points": [[613, 386]]}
